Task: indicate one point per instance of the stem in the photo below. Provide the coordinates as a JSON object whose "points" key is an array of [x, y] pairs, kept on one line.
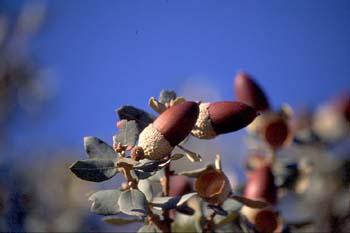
{"points": [[165, 182], [209, 225], [272, 156]]}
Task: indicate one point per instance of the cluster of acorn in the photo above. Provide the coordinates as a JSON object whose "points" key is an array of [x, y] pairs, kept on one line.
{"points": [[202, 120], [208, 120]]}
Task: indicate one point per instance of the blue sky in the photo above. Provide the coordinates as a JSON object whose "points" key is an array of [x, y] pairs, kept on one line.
{"points": [[109, 53]]}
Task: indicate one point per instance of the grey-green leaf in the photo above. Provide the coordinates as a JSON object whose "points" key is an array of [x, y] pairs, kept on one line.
{"points": [[120, 221], [146, 188], [219, 210], [96, 148], [166, 96], [127, 134], [95, 170], [133, 202], [151, 228], [105, 202], [142, 118], [255, 204], [167, 203], [231, 205], [197, 172]]}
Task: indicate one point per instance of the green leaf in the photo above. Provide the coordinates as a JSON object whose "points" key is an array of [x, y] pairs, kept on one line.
{"points": [[133, 202], [197, 172], [105, 202], [151, 228], [98, 149], [255, 204], [166, 96], [142, 118], [127, 134], [120, 221], [95, 170], [146, 188]]}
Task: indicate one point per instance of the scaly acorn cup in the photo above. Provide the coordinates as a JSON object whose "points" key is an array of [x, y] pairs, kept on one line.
{"points": [[168, 130], [261, 185], [249, 92], [213, 186], [222, 117]]}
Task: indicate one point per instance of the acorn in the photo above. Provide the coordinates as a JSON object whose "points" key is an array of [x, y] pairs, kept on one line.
{"points": [[273, 128], [179, 185], [261, 185], [222, 117], [249, 92], [277, 132], [159, 138], [265, 220], [213, 186]]}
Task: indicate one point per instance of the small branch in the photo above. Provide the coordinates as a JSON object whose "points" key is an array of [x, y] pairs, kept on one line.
{"points": [[272, 156], [209, 224], [165, 182]]}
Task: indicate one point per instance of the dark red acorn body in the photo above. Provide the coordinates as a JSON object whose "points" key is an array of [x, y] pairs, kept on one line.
{"points": [[261, 185], [177, 122], [229, 116], [249, 92]]}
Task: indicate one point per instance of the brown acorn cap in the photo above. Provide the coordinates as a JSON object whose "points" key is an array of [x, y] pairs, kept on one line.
{"points": [[177, 122], [249, 92], [213, 186], [229, 116], [261, 185]]}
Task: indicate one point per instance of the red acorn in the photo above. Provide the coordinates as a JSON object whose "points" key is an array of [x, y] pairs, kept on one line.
{"points": [[169, 129], [266, 220], [179, 185], [222, 117], [261, 185], [343, 104], [277, 132], [249, 92]]}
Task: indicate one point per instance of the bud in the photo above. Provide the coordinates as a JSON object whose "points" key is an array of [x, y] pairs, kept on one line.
{"points": [[168, 130], [249, 92], [137, 153], [213, 186], [222, 117]]}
